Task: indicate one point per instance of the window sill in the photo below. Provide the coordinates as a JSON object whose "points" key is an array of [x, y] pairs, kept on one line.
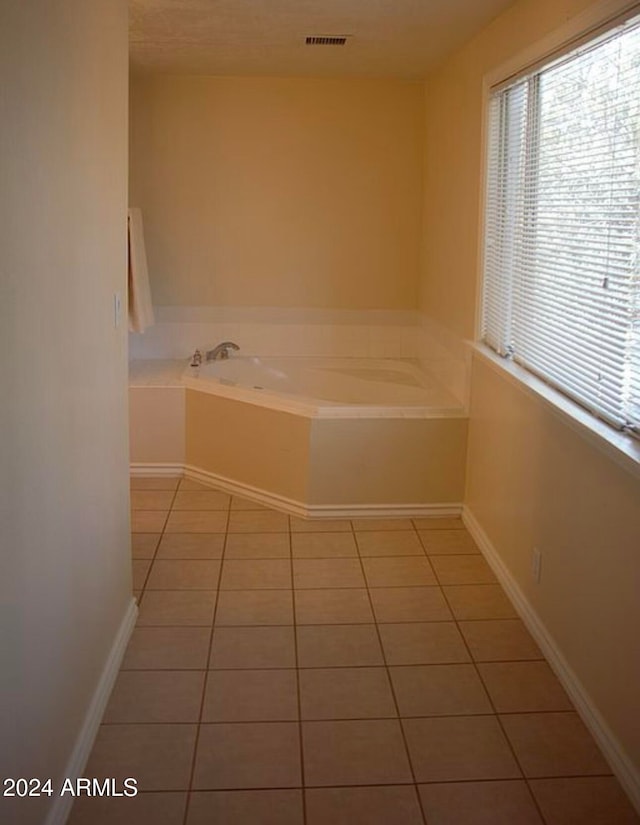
{"points": [[622, 448]]}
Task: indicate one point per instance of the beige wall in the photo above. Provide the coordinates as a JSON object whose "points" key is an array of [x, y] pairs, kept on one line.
{"points": [[534, 482], [531, 479], [388, 461], [279, 192], [66, 580]]}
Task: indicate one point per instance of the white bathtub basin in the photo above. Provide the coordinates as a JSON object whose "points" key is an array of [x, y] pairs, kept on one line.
{"points": [[327, 387]]}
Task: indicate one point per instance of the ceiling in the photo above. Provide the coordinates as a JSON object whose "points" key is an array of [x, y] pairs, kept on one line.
{"points": [[388, 38]]}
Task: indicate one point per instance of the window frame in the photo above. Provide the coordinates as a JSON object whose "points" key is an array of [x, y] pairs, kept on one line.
{"points": [[597, 22]]}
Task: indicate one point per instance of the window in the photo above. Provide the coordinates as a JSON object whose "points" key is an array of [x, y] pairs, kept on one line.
{"points": [[561, 290]]}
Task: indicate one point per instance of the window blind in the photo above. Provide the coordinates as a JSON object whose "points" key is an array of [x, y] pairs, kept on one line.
{"points": [[561, 290]]}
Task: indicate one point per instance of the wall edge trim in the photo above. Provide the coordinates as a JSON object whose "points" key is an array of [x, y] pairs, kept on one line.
{"points": [[614, 753], [61, 808], [299, 508]]}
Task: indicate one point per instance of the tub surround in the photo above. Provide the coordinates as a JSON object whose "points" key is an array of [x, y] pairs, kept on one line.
{"points": [[156, 372], [156, 424], [276, 331], [263, 449], [279, 331], [400, 465], [356, 464], [328, 467], [156, 413]]}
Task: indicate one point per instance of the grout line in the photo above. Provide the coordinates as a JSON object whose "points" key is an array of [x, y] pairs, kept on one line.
{"points": [[495, 712], [392, 689], [155, 553], [207, 671], [297, 665], [322, 624], [371, 785], [388, 717]]}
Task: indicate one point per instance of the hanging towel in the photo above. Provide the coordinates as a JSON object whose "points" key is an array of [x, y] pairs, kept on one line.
{"points": [[140, 306]]}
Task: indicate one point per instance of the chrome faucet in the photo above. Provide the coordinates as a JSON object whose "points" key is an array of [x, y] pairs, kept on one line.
{"points": [[221, 352]]}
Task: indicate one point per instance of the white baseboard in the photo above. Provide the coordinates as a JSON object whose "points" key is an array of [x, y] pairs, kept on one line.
{"points": [[299, 508], [621, 765], [384, 510], [142, 470], [287, 505], [59, 812]]}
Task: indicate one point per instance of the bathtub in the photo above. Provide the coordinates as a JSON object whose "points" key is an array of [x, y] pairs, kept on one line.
{"points": [[327, 387], [318, 437]]}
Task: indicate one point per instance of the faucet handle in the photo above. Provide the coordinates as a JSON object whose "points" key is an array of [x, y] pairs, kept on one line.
{"points": [[196, 359]]}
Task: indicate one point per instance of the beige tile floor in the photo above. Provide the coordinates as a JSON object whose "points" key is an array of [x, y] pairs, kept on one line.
{"points": [[292, 672]]}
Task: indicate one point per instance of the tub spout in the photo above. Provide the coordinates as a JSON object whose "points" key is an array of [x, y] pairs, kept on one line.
{"points": [[221, 351]]}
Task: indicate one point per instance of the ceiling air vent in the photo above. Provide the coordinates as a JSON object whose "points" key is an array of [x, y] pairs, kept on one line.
{"points": [[326, 40]]}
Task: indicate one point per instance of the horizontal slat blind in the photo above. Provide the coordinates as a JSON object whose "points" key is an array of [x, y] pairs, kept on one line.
{"points": [[562, 235]]}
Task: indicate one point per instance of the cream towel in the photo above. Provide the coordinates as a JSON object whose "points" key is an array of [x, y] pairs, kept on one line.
{"points": [[140, 306]]}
